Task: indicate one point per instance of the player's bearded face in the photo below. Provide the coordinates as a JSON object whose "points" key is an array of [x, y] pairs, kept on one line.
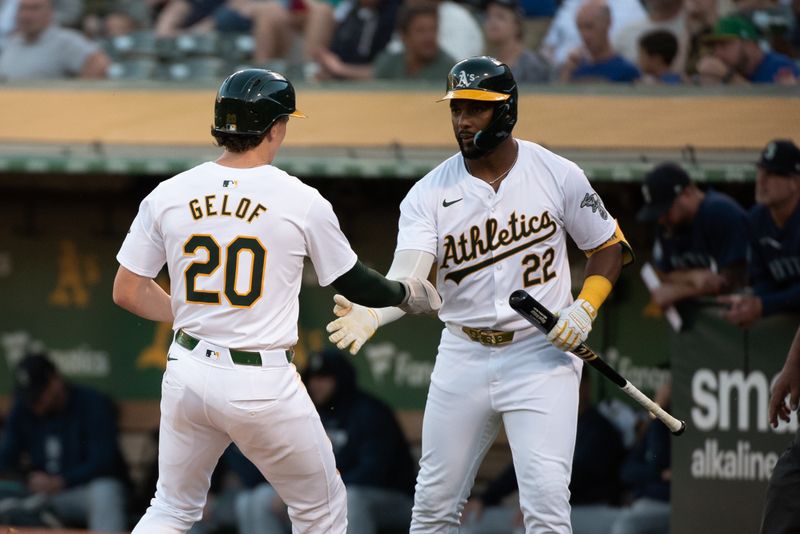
{"points": [[470, 117]]}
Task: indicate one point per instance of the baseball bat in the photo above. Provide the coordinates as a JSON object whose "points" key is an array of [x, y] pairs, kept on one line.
{"points": [[540, 317]]}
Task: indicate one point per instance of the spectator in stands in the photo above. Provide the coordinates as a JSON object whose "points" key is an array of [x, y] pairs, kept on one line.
{"points": [[371, 451], [597, 61], [774, 261], [563, 38], [701, 15], [667, 15], [179, 15], [647, 472], [657, 51], [595, 488], [361, 34], [460, 34], [40, 49], [538, 17], [737, 57], [273, 24], [700, 247], [773, 20], [421, 57], [67, 435], [8, 19], [504, 28]]}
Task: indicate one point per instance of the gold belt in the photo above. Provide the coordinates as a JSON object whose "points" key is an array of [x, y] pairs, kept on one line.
{"points": [[488, 337]]}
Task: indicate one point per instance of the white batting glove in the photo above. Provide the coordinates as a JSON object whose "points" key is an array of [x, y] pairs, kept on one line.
{"points": [[421, 296], [573, 326], [355, 325]]}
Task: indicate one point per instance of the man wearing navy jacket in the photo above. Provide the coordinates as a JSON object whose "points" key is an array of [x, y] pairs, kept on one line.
{"points": [[69, 434], [774, 253]]}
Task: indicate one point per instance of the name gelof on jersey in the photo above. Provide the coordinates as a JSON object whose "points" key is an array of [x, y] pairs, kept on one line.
{"points": [[470, 245], [209, 206]]}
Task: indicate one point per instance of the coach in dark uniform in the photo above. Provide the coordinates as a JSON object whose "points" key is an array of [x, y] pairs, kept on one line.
{"points": [[701, 243], [68, 433], [774, 251]]}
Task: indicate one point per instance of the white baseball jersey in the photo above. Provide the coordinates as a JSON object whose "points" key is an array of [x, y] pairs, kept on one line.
{"points": [[489, 244], [234, 241]]}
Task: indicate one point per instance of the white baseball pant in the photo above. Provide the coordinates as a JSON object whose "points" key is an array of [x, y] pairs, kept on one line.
{"points": [[206, 403], [474, 388]]}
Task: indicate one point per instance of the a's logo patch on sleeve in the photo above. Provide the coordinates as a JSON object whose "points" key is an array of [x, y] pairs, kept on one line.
{"points": [[591, 200]]}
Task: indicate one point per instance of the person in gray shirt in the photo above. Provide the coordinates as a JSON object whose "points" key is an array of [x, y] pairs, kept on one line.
{"points": [[503, 27], [421, 57], [40, 49]]}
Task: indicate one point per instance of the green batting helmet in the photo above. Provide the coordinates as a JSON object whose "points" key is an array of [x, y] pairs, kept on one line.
{"points": [[250, 100], [489, 80]]}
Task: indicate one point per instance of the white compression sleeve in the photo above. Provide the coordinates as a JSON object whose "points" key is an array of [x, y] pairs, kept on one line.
{"points": [[406, 263]]}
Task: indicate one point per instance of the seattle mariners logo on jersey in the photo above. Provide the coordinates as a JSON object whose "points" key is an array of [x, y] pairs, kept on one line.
{"points": [[769, 153], [463, 79], [470, 245], [591, 200], [229, 183]]}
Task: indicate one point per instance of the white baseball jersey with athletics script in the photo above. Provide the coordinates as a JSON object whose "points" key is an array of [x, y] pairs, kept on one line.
{"points": [[234, 241], [488, 244]]}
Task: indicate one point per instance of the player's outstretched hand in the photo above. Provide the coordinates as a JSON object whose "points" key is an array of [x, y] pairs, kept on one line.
{"points": [[421, 296], [354, 326], [573, 326]]}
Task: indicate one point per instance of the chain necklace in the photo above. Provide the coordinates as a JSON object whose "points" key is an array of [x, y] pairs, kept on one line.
{"points": [[492, 182]]}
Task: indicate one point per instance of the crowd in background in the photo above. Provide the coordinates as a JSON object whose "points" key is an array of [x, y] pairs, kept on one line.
{"points": [[705, 42]]}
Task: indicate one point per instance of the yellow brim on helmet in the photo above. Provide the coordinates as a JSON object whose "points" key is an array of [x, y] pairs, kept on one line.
{"points": [[299, 114], [474, 94]]}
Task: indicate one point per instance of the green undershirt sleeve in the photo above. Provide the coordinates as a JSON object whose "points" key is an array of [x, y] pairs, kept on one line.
{"points": [[367, 287]]}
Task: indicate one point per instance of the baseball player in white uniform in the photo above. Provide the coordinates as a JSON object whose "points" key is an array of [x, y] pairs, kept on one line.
{"points": [[234, 234], [495, 218]]}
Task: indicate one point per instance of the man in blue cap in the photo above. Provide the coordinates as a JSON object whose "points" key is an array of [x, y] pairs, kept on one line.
{"points": [[701, 242], [774, 253]]}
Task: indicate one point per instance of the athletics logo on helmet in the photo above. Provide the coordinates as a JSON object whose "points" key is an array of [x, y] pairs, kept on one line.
{"points": [[250, 100], [486, 79]]}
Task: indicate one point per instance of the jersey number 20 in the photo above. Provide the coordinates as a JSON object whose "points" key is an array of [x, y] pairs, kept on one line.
{"points": [[239, 245]]}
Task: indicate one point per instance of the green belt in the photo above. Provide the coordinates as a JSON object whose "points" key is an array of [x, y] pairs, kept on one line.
{"points": [[488, 337], [241, 357]]}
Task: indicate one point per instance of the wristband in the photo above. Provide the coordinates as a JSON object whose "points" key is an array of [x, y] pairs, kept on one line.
{"points": [[596, 289]]}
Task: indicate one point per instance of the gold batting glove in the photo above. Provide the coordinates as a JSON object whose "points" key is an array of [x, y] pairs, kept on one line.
{"points": [[354, 326], [573, 326]]}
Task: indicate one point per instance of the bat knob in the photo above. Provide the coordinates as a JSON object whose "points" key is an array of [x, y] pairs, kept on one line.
{"points": [[680, 430], [517, 297]]}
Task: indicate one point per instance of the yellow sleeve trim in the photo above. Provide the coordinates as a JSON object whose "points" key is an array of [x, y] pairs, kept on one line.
{"points": [[596, 289], [628, 256]]}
